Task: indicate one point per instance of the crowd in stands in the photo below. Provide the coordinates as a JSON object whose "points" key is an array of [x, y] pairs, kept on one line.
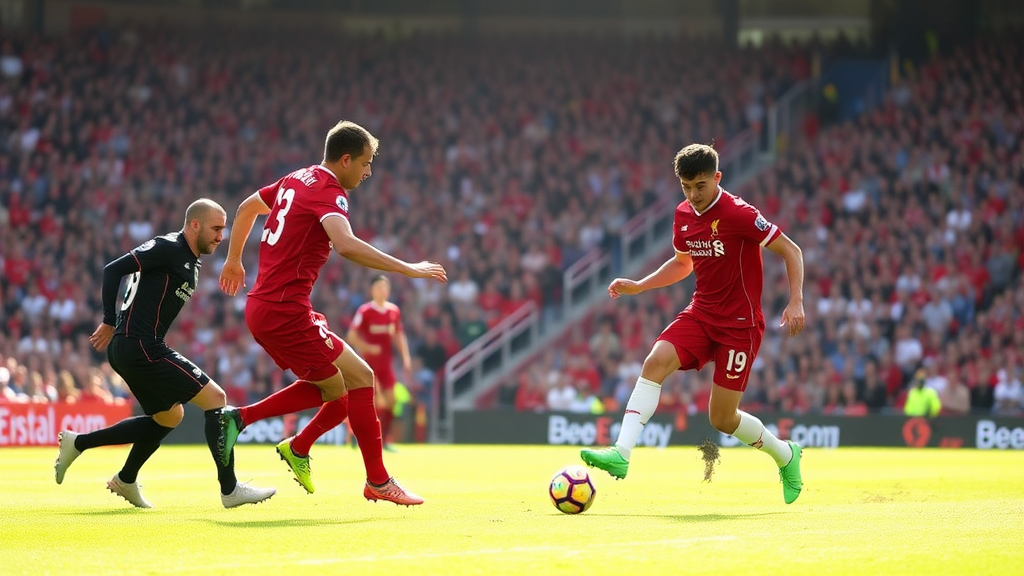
{"points": [[911, 220], [504, 159]]}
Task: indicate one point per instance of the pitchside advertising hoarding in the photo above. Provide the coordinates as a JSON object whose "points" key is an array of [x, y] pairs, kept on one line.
{"points": [[507, 427], [38, 424]]}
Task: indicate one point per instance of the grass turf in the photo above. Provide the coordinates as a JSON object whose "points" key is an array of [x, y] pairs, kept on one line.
{"points": [[863, 511]]}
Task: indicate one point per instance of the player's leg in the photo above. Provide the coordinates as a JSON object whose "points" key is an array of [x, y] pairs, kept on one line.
{"points": [[682, 345], [726, 416], [359, 380], [211, 399], [127, 431], [140, 372], [734, 357], [662, 361], [306, 348], [296, 397], [295, 450], [124, 483]]}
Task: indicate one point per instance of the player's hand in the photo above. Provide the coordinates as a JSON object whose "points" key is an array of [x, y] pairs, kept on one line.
{"points": [[101, 338], [232, 277], [427, 269], [624, 286], [794, 316]]}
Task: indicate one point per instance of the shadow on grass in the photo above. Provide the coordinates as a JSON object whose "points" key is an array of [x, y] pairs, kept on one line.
{"points": [[289, 522], [693, 518], [108, 512]]}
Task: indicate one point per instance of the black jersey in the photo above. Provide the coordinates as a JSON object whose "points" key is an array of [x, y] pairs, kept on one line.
{"points": [[162, 274]]}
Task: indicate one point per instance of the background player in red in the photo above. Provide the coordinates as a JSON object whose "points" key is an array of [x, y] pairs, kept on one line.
{"points": [[718, 237], [375, 331], [307, 218]]}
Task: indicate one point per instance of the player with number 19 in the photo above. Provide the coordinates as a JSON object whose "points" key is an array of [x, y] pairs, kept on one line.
{"points": [[718, 237], [308, 217]]}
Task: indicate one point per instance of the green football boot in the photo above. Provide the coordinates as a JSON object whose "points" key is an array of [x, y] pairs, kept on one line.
{"points": [[230, 427], [607, 459], [792, 483], [298, 464]]}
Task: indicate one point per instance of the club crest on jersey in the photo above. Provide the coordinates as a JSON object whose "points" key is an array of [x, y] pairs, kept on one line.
{"points": [[714, 228], [342, 203], [761, 223]]}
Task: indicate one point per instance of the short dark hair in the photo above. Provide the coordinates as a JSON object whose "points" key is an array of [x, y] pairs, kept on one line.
{"points": [[348, 138], [379, 278], [694, 160]]}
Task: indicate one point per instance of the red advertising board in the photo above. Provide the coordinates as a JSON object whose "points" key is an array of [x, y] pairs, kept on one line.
{"points": [[38, 424]]}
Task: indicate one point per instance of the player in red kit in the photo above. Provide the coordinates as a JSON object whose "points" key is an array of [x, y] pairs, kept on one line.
{"points": [[307, 216], [375, 331], [718, 237]]}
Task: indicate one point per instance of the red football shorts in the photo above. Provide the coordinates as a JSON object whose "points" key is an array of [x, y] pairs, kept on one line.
{"points": [[732, 349], [383, 373], [296, 337]]}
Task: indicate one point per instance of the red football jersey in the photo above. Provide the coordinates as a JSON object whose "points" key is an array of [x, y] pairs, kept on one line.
{"points": [[725, 244], [295, 246], [378, 326]]}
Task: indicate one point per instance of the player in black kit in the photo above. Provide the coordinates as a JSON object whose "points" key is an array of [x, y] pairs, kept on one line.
{"points": [[162, 274]]}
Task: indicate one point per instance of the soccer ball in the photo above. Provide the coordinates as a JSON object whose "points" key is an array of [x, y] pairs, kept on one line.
{"points": [[571, 490]]}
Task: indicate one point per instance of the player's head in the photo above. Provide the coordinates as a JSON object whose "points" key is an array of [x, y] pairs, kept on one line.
{"points": [[349, 151], [205, 221], [380, 288], [696, 166]]}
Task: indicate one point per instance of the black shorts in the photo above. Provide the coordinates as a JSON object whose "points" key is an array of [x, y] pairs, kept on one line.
{"points": [[158, 376]]}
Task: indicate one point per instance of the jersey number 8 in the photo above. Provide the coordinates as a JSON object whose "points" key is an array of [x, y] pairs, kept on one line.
{"points": [[284, 204], [131, 289]]}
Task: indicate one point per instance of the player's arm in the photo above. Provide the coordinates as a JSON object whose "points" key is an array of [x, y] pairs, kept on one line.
{"points": [[793, 256], [672, 271], [232, 276], [347, 245], [112, 274]]}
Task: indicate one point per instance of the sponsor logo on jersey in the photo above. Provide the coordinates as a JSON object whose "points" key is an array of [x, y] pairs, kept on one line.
{"points": [[684, 227], [184, 292], [705, 248]]}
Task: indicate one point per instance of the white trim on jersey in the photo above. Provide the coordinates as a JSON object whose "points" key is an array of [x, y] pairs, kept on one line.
{"points": [[771, 233], [681, 252], [325, 169], [710, 206], [329, 214]]}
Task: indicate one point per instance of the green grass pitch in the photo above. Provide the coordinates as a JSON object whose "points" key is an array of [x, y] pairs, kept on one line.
{"points": [[863, 511]]}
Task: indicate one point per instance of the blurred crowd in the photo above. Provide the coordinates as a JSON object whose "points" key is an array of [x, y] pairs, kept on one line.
{"points": [[504, 159], [911, 220]]}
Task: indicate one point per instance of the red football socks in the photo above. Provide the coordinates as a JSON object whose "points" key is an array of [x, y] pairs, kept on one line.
{"points": [[363, 420], [298, 396], [330, 415]]}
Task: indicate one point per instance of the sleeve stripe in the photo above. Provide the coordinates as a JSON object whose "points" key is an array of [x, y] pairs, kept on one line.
{"points": [[678, 251], [329, 214], [772, 233]]}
